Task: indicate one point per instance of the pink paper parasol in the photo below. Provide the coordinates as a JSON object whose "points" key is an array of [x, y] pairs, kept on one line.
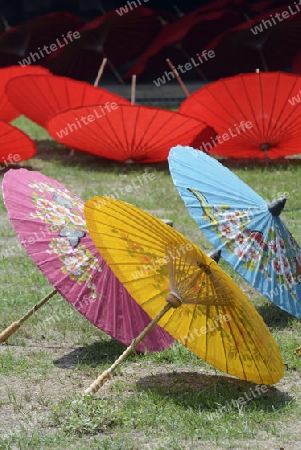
{"points": [[49, 221]]}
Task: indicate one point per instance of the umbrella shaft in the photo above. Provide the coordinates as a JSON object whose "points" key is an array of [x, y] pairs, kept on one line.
{"points": [[106, 375], [37, 306], [139, 338]]}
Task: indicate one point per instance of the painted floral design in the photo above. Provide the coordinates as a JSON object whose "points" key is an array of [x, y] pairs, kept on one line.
{"points": [[62, 208], [62, 211], [76, 262], [275, 254], [146, 263]]}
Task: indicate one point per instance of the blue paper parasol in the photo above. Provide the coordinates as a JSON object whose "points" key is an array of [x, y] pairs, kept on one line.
{"points": [[248, 231]]}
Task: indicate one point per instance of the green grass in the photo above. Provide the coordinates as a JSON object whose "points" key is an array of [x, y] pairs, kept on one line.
{"points": [[170, 399]]}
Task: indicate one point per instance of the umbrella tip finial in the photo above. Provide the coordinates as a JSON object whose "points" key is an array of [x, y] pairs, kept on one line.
{"points": [[276, 206], [215, 255]]}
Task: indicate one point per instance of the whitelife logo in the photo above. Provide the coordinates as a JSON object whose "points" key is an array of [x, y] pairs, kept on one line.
{"points": [[279, 16], [10, 160], [185, 67], [122, 191], [53, 48], [124, 9], [31, 240], [295, 100], [85, 120], [242, 127]]}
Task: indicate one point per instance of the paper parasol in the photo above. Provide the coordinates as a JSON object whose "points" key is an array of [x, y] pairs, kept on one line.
{"points": [[42, 96], [48, 219], [125, 132], [253, 115], [205, 309], [249, 232]]}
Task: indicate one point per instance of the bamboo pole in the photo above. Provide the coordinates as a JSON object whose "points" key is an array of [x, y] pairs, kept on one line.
{"points": [[116, 73], [106, 375], [133, 90], [100, 72], [16, 325], [175, 72]]}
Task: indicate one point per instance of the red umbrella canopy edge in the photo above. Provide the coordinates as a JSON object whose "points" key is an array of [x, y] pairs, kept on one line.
{"points": [[126, 132], [41, 96], [255, 115]]}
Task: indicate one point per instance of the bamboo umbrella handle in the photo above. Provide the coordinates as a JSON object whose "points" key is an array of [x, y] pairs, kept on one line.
{"points": [[133, 90], [100, 72], [9, 331], [106, 375], [116, 73], [16, 325], [177, 77]]}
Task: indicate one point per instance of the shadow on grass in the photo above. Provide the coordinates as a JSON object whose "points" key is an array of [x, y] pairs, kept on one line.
{"points": [[6, 168], [214, 393], [49, 150], [250, 163], [93, 355], [274, 317]]}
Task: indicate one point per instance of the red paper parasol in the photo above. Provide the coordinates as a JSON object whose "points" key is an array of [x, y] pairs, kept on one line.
{"points": [[237, 5], [15, 146], [138, 133], [39, 97], [48, 219], [262, 5], [27, 40], [265, 100], [265, 42], [183, 42], [7, 111], [119, 38]]}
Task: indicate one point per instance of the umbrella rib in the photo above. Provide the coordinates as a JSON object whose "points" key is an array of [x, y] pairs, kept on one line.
{"points": [[222, 338], [125, 134], [151, 243], [251, 337], [258, 132], [236, 103], [143, 137], [158, 243], [277, 120], [95, 133], [177, 134], [153, 226]]}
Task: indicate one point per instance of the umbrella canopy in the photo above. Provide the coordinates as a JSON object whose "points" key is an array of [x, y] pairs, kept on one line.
{"points": [[237, 5], [207, 311], [39, 97], [183, 42], [261, 5], [8, 111], [26, 42], [15, 146], [48, 219], [265, 42], [248, 230], [117, 37], [254, 115], [127, 132]]}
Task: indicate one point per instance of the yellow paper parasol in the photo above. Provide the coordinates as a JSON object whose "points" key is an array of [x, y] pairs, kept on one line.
{"points": [[203, 307]]}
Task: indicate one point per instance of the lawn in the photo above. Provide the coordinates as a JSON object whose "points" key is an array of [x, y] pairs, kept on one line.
{"points": [[167, 400]]}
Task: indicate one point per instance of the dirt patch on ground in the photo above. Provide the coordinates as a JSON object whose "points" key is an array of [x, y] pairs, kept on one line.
{"points": [[28, 398]]}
